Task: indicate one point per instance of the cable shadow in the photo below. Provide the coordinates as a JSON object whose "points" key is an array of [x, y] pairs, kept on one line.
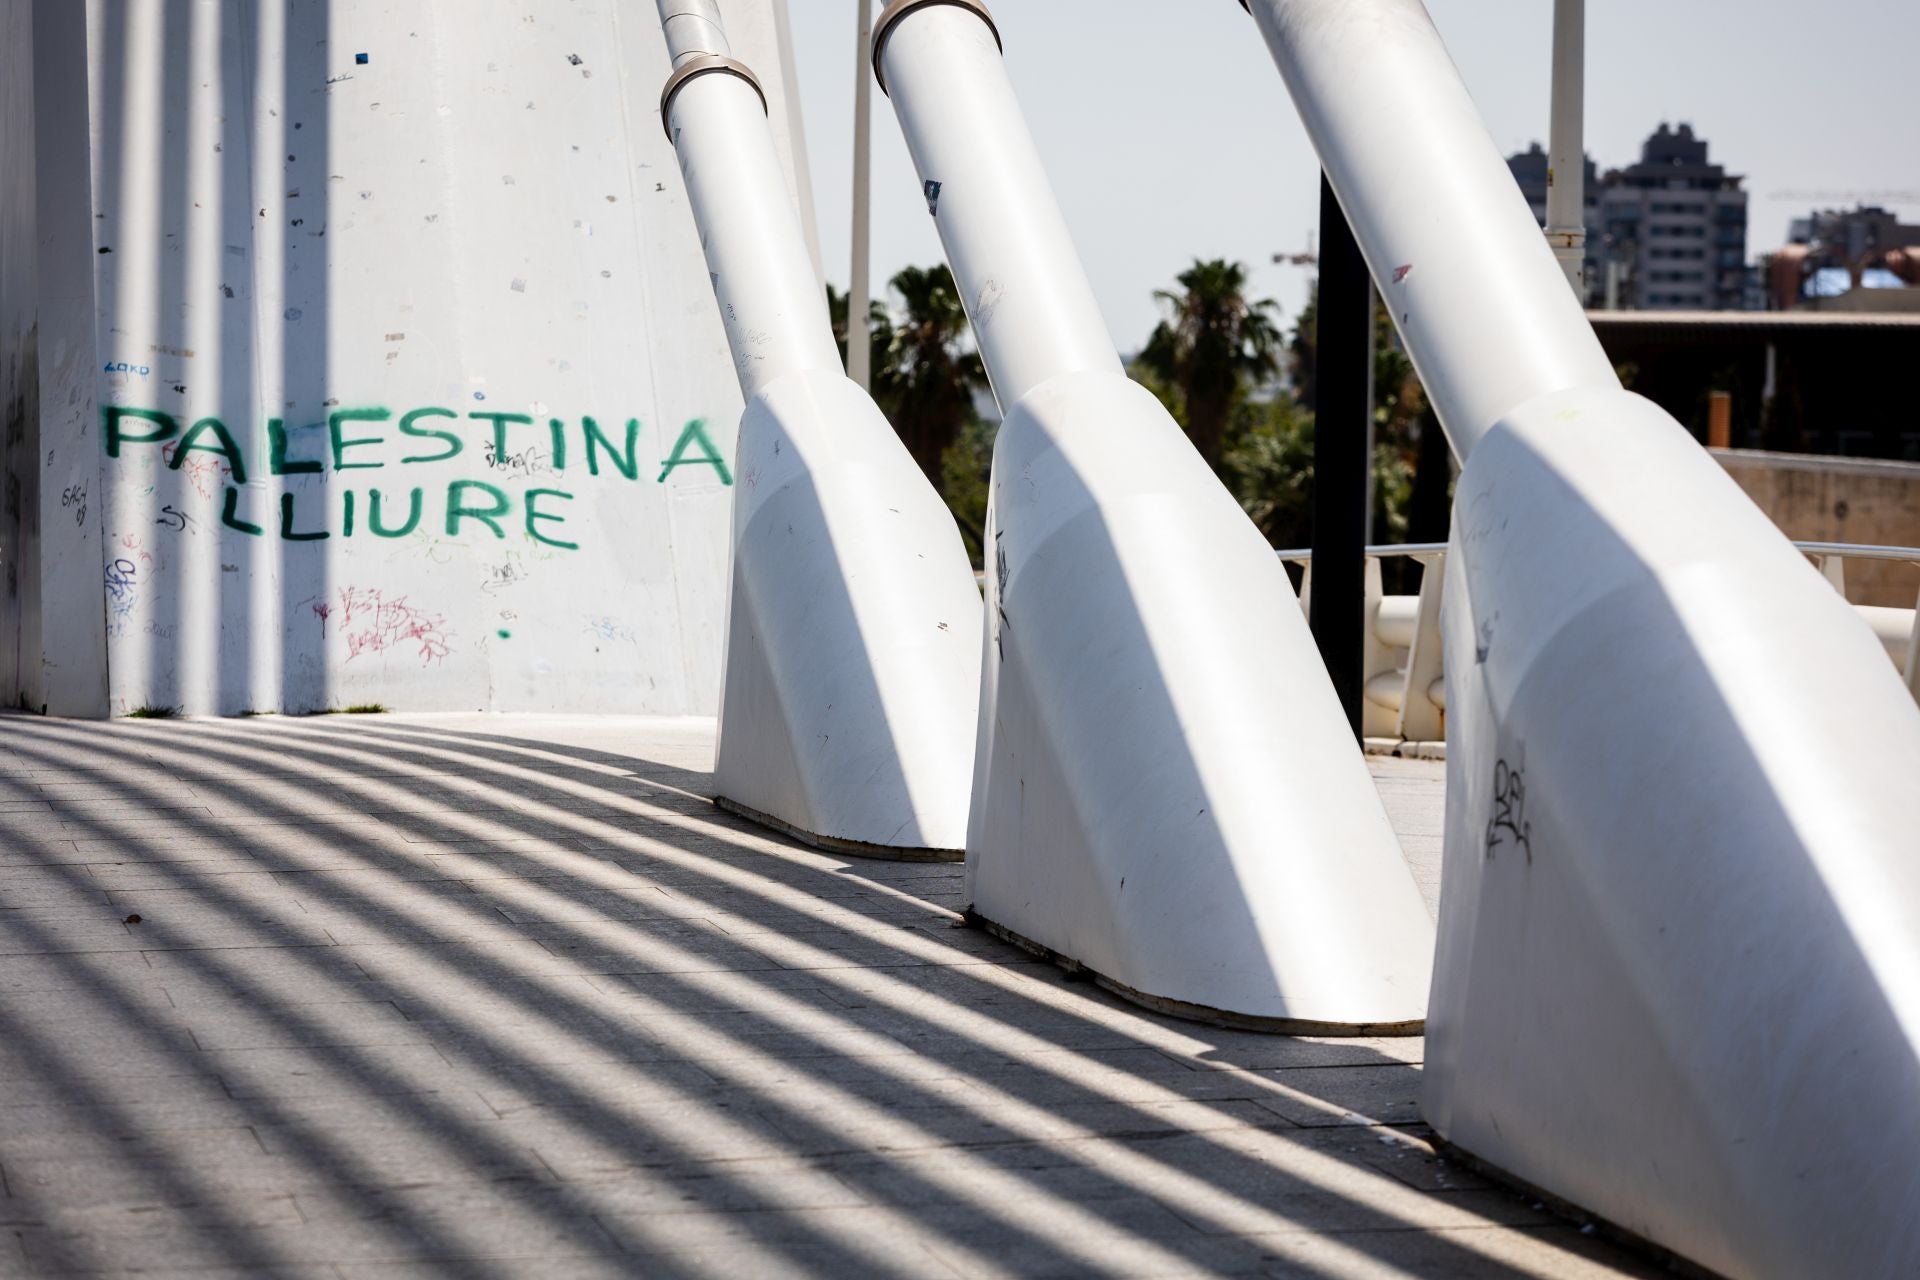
{"points": [[474, 1145], [1207, 1165]]}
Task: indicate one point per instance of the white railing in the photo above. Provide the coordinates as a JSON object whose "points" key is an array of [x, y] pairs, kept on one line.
{"points": [[1405, 688]]}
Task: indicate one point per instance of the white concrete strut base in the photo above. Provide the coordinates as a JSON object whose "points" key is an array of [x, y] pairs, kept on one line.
{"points": [[852, 668], [852, 848], [1196, 1012], [1678, 981], [1545, 1199], [1166, 790]]}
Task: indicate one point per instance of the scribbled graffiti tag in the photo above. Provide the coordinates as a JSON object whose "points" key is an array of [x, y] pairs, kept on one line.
{"points": [[611, 629], [122, 577], [372, 623], [1509, 820], [1000, 592], [175, 519]]}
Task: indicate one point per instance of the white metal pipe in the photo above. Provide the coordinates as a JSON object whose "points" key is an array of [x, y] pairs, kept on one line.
{"points": [[693, 30], [770, 300], [1566, 150], [1396, 620], [1033, 310], [852, 672], [1184, 815], [1476, 293], [860, 286]]}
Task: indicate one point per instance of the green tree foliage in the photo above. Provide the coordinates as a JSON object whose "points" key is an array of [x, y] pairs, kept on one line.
{"points": [[966, 469], [879, 327], [930, 372], [1266, 454], [1213, 345], [925, 376], [1217, 362], [1269, 468]]}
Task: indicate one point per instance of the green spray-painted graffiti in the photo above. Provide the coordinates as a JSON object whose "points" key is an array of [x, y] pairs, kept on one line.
{"points": [[359, 440]]}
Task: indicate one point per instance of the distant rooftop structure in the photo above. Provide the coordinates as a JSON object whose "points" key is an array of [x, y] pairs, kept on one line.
{"points": [[1668, 148], [1859, 259]]}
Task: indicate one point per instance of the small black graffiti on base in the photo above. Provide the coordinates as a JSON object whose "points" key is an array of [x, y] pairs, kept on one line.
{"points": [[1509, 821], [74, 498]]}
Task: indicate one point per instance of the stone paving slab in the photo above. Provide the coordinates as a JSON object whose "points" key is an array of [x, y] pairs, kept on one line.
{"points": [[477, 996]]}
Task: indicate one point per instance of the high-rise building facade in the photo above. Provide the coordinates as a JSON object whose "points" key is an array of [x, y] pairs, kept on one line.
{"points": [[1668, 233], [1677, 224]]}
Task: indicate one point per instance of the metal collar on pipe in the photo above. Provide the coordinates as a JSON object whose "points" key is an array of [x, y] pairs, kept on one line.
{"points": [[706, 64], [901, 8]]}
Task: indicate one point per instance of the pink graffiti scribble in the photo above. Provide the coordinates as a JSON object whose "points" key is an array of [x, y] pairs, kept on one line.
{"points": [[205, 474], [138, 550], [384, 624], [323, 611]]}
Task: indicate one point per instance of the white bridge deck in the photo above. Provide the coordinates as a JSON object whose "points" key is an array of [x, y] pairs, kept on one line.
{"points": [[506, 996]]}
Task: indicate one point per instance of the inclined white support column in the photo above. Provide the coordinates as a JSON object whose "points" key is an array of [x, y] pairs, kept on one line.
{"points": [[853, 635], [1678, 981], [1458, 258], [693, 30], [1566, 150], [1167, 792], [1033, 310]]}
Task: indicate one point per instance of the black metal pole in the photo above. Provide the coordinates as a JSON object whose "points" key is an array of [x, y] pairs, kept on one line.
{"points": [[1342, 445]]}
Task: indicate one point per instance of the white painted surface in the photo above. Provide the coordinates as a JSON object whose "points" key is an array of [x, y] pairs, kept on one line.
{"points": [[1680, 881], [852, 673], [19, 368], [771, 306], [853, 647], [1032, 308], [1166, 789], [480, 219], [54, 471]]}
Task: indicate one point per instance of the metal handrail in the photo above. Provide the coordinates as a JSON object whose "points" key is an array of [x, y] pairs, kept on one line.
{"points": [[1405, 697], [1850, 550], [1388, 549], [1859, 551]]}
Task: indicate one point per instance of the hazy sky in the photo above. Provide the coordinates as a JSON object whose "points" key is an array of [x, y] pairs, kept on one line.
{"points": [[1169, 135]]}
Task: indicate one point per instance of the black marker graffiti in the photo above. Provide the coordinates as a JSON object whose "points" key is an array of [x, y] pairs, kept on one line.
{"points": [[1000, 592], [1509, 811], [175, 519]]}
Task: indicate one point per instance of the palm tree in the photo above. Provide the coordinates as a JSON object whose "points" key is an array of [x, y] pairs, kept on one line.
{"points": [[879, 327], [1212, 346], [927, 376]]}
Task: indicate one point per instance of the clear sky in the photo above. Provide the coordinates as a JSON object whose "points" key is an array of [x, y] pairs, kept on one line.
{"points": [[1169, 135]]}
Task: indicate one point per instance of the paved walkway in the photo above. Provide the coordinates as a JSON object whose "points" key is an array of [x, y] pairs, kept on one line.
{"points": [[492, 996]]}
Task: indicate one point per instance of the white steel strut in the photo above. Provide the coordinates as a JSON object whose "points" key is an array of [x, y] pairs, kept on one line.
{"points": [[1678, 981], [1167, 792], [853, 632]]}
